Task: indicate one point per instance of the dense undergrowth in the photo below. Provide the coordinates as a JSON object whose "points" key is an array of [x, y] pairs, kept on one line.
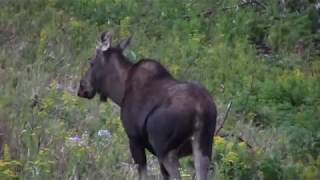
{"points": [[262, 56]]}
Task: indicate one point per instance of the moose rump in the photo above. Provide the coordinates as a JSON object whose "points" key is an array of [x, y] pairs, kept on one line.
{"points": [[168, 117]]}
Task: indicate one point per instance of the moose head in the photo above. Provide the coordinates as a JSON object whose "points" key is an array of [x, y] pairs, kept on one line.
{"points": [[107, 72]]}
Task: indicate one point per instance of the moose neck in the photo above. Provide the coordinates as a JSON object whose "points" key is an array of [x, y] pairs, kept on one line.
{"points": [[116, 81]]}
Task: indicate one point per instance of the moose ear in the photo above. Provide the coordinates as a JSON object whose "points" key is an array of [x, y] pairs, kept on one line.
{"points": [[124, 43], [105, 41]]}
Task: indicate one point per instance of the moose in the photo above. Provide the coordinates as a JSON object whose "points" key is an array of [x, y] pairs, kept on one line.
{"points": [[168, 117]]}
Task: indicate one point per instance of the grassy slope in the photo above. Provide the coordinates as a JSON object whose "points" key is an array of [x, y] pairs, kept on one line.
{"points": [[45, 46]]}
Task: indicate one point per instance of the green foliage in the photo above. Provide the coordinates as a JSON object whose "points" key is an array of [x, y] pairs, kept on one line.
{"points": [[235, 159], [7, 169], [264, 58], [8, 166]]}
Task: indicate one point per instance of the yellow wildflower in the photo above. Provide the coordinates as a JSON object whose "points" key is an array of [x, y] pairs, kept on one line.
{"points": [[218, 141], [231, 157]]}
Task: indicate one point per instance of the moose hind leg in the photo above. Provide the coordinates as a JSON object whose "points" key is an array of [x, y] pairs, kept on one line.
{"points": [[171, 164], [202, 150], [164, 172], [139, 156]]}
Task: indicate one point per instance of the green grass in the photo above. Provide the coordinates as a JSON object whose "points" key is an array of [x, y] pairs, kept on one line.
{"points": [[44, 47]]}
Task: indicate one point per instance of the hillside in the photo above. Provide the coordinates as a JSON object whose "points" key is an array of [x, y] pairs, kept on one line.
{"points": [[260, 60]]}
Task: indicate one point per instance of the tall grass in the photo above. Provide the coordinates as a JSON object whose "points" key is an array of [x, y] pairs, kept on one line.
{"points": [[264, 59]]}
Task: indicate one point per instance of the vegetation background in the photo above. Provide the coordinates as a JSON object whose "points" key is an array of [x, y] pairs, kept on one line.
{"points": [[263, 56]]}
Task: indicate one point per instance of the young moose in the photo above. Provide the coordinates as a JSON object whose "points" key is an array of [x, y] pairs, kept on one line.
{"points": [[168, 117]]}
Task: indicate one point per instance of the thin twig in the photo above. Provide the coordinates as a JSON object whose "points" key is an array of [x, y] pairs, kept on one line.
{"points": [[224, 118], [260, 4], [240, 138]]}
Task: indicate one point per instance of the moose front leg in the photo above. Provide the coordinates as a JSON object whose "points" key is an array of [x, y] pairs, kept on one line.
{"points": [[139, 157]]}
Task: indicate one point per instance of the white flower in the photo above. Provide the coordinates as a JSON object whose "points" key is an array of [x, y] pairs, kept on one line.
{"points": [[104, 133]]}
